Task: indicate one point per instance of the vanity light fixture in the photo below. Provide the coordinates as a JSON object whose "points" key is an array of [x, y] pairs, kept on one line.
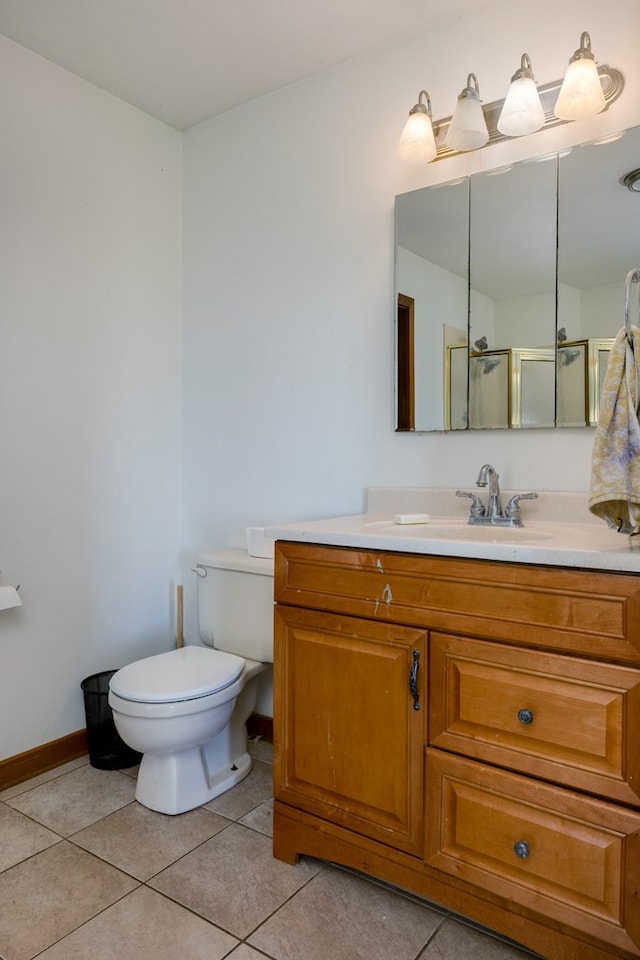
{"points": [[468, 127], [417, 143], [522, 112], [581, 94], [526, 108]]}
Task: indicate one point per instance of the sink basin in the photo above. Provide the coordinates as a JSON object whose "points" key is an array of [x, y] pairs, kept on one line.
{"points": [[485, 533], [453, 528]]}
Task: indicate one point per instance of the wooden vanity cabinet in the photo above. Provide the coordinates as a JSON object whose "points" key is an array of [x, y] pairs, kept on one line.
{"points": [[467, 730]]}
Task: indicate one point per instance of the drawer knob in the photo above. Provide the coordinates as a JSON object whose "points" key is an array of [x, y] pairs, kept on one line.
{"points": [[521, 849], [525, 716]]}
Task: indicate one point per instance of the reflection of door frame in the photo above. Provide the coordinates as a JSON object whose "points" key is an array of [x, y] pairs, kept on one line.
{"points": [[405, 367]]}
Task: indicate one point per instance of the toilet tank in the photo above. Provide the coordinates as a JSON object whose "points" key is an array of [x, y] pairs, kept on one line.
{"points": [[235, 603]]}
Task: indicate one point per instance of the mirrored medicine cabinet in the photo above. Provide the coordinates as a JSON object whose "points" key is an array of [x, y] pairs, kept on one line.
{"points": [[510, 290]]}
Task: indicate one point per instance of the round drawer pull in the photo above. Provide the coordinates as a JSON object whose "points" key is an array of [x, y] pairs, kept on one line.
{"points": [[525, 716], [521, 849]]}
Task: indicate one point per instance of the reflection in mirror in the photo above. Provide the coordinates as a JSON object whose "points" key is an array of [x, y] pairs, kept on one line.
{"points": [[432, 265], [456, 414], [512, 388], [513, 293], [599, 242], [582, 365], [512, 272]]}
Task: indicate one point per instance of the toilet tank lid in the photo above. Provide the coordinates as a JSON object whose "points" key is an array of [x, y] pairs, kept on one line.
{"points": [[230, 559]]}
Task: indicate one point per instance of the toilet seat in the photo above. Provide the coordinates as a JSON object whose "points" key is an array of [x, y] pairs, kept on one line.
{"points": [[187, 673]]}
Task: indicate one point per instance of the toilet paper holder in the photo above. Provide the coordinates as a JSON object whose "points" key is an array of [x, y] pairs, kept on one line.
{"points": [[9, 597]]}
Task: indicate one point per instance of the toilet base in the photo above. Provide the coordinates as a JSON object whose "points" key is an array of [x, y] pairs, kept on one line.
{"points": [[175, 783], [189, 758]]}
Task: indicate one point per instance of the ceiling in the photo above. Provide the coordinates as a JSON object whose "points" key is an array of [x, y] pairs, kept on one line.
{"points": [[183, 61]]}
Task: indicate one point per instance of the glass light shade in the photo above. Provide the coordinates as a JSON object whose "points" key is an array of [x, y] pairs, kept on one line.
{"points": [[468, 127], [522, 111], [417, 143], [581, 94]]}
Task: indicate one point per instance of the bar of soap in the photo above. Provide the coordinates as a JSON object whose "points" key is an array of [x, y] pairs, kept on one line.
{"points": [[411, 518]]}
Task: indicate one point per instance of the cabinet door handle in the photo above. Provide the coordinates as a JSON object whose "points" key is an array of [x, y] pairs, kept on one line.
{"points": [[525, 716], [521, 849], [413, 680]]}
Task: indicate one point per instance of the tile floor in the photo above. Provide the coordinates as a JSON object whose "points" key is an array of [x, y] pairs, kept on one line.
{"points": [[86, 872]]}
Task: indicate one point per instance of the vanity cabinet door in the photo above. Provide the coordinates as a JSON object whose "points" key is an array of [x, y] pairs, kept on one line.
{"points": [[573, 859], [349, 730]]}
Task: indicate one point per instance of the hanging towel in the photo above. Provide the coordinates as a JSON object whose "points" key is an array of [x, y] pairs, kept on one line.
{"points": [[615, 465]]}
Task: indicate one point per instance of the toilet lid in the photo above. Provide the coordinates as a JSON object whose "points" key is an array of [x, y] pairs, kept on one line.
{"points": [[182, 674]]}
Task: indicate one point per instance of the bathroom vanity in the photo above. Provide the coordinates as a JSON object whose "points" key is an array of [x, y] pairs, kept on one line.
{"points": [[460, 717]]}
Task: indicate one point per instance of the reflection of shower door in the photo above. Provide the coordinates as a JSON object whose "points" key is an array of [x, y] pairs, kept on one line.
{"points": [[512, 388], [455, 385], [489, 391], [582, 365]]}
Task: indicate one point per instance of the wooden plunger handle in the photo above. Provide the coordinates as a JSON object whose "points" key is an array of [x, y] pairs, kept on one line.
{"points": [[180, 618]]}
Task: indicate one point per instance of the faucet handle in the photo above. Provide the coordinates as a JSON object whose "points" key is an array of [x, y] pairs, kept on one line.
{"points": [[477, 506], [512, 508]]}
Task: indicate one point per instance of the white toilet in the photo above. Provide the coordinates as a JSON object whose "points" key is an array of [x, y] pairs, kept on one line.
{"points": [[185, 710]]}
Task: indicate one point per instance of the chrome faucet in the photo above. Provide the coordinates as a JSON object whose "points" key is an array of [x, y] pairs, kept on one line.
{"points": [[489, 477], [492, 513]]}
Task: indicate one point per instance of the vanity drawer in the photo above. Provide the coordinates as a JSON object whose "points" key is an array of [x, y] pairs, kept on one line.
{"points": [[574, 859], [561, 718], [576, 611]]}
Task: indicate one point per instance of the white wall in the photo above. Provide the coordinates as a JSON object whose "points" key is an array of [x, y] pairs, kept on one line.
{"points": [[287, 338], [89, 390], [288, 274]]}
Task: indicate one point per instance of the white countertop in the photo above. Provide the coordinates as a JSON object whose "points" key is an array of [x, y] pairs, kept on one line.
{"points": [[557, 543]]}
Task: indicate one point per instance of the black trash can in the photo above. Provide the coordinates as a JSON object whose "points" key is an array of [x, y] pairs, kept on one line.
{"points": [[107, 751]]}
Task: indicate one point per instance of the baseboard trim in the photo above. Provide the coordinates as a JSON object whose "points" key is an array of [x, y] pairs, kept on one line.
{"points": [[260, 726], [46, 757]]}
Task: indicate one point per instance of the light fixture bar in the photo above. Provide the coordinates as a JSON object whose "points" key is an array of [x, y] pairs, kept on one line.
{"points": [[612, 85]]}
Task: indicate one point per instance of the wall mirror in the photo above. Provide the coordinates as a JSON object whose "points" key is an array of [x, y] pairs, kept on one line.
{"points": [[510, 289]]}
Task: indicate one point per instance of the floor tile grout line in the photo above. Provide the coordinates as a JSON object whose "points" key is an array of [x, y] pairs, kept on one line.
{"points": [[241, 939], [422, 955], [193, 912], [201, 843], [88, 920], [63, 836], [148, 881], [26, 859], [323, 864], [28, 785], [261, 953], [141, 884], [153, 876], [29, 816]]}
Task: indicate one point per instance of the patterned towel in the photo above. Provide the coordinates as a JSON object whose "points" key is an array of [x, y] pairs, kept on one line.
{"points": [[615, 465]]}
